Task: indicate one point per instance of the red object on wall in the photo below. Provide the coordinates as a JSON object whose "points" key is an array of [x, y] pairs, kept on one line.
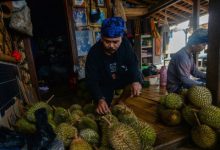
{"points": [[17, 55]]}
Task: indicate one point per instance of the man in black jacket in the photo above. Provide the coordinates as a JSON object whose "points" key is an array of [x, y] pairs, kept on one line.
{"points": [[111, 64]]}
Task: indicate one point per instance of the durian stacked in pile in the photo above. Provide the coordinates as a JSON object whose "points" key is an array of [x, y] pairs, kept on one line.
{"points": [[169, 109], [80, 128], [201, 115]]}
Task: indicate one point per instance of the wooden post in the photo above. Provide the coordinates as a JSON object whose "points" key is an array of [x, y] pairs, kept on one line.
{"points": [[196, 8], [31, 64], [213, 60], [137, 37], [195, 22], [68, 5]]}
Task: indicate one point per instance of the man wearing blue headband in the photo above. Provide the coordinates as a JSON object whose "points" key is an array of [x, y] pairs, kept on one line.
{"points": [[111, 64], [182, 65]]}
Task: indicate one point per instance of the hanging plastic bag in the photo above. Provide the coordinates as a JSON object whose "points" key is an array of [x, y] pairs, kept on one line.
{"points": [[21, 21]]}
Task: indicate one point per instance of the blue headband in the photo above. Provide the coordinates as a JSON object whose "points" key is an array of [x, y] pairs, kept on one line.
{"points": [[198, 37], [113, 27]]}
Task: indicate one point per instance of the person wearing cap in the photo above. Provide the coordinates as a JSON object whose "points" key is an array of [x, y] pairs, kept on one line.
{"points": [[182, 65], [111, 64]]}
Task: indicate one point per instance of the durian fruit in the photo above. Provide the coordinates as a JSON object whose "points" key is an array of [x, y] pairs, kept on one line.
{"points": [[127, 118], [105, 148], [73, 119], [105, 122], [75, 107], [210, 115], [78, 112], [148, 147], [30, 112], [199, 96], [120, 109], [80, 144], [60, 115], [65, 132], [22, 125], [188, 115], [86, 122], [92, 116], [146, 133], [89, 108], [173, 101], [183, 93], [89, 135], [204, 136], [52, 124], [124, 137], [171, 117]]}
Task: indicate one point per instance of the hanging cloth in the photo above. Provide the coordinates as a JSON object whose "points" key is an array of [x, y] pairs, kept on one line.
{"points": [[119, 9], [156, 35]]}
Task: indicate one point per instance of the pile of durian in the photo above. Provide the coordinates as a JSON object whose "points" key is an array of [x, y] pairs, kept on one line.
{"points": [[80, 128], [195, 107]]}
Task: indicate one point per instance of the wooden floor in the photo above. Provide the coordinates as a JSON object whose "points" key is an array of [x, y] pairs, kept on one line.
{"points": [[145, 106]]}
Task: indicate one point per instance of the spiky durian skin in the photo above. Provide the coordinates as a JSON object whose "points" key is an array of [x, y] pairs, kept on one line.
{"points": [[65, 132], [120, 109], [188, 115], [92, 116], [22, 125], [75, 107], [173, 101], [105, 127], [78, 112], [123, 137], [79, 144], [89, 135], [60, 115], [89, 108], [183, 93], [204, 136], [171, 117], [199, 96], [86, 122], [73, 119], [210, 115], [146, 133], [127, 118], [105, 148], [30, 112]]}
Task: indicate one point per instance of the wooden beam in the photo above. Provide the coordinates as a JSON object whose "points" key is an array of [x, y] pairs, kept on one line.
{"points": [[134, 2], [176, 12], [182, 8], [160, 6], [213, 59], [151, 1], [191, 3], [167, 15], [132, 12]]}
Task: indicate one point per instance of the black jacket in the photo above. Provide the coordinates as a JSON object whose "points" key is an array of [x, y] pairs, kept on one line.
{"points": [[97, 73]]}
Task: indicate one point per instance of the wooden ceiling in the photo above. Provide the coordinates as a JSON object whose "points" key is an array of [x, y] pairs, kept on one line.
{"points": [[175, 11]]}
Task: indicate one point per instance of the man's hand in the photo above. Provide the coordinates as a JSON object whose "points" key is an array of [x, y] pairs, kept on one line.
{"points": [[135, 89], [102, 107]]}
